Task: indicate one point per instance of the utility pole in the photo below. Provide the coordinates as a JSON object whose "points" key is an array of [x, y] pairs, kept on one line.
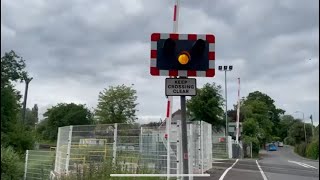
{"points": [[225, 69], [304, 126], [27, 80], [312, 125]]}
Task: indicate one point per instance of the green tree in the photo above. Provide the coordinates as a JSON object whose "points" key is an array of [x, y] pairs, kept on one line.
{"points": [[32, 116], [258, 111], [296, 132], [15, 138], [63, 114], [117, 105], [207, 105], [272, 111], [284, 125], [12, 132], [12, 70]]}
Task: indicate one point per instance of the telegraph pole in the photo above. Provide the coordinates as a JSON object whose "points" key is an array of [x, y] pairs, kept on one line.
{"points": [[304, 125], [27, 80]]}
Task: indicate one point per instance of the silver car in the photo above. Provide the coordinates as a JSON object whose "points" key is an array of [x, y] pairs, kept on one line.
{"points": [[280, 144]]}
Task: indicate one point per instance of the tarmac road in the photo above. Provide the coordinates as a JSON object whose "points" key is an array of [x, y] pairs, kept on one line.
{"points": [[283, 164]]}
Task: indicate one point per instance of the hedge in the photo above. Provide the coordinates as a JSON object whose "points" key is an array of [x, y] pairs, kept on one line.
{"points": [[301, 149], [312, 150]]}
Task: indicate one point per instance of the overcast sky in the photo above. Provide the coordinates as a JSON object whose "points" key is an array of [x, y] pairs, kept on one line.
{"points": [[75, 48]]}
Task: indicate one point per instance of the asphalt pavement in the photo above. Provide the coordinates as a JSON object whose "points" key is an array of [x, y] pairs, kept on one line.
{"points": [[283, 164]]}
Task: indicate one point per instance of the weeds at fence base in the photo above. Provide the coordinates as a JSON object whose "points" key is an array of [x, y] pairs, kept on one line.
{"points": [[103, 170]]}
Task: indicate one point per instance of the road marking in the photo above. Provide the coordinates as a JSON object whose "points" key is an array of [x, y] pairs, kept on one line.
{"points": [[217, 159], [226, 171], [262, 173], [303, 164]]}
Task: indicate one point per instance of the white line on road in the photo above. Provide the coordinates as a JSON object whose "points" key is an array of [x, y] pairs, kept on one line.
{"points": [[226, 171], [262, 173], [303, 164], [217, 159]]}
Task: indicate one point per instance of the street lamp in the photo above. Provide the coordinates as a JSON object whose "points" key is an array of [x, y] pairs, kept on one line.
{"points": [[304, 125], [225, 69]]}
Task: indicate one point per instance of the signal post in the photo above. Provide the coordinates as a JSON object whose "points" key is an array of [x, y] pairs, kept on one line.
{"points": [[183, 56]]}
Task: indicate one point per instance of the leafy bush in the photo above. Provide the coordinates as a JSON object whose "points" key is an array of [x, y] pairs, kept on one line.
{"points": [[11, 165], [276, 138], [312, 150], [301, 149], [254, 141], [289, 141], [21, 139]]}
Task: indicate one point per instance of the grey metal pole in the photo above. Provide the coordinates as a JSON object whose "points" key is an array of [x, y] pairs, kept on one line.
{"points": [[304, 127], [184, 136], [312, 126], [225, 87]]}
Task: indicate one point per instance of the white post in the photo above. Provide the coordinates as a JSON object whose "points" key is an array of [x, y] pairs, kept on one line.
{"points": [[57, 161], [251, 150], [141, 139], [191, 145], [178, 149], [26, 165], [69, 149], [199, 147], [209, 148], [168, 128], [229, 147], [115, 135], [202, 146]]}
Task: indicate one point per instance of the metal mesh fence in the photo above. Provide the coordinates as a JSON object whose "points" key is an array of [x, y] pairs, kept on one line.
{"points": [[219, 147], [132, 147], [38, 164]]}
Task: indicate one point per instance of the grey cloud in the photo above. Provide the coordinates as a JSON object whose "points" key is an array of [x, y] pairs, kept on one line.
{"points": [[74, 49]]}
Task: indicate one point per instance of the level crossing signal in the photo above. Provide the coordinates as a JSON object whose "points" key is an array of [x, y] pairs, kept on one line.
{"points": [[184, 55]]}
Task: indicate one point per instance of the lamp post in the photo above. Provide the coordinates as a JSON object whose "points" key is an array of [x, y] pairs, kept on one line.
{"points": [[225, 69], [304, 125]]}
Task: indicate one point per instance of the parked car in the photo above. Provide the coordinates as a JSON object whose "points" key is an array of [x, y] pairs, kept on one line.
{"points": [[272, 147], [280, 144]]}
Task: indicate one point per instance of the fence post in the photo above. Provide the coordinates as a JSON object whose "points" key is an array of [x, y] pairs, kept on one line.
{"points": [[57, 161], [199, 146], [26, 165], [202, 146], [251, 149], [209, 148], [115, 135], [69, 149], [141, 139], [178, 149], [229, 147], [191, 145]]}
